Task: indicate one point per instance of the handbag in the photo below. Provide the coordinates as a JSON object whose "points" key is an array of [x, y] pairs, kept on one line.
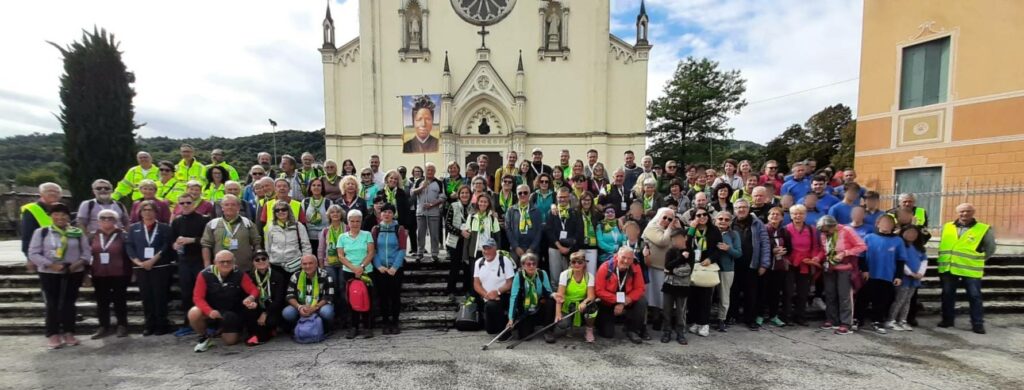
{"points": [[702, 276], [468, 318], [293, 265]]}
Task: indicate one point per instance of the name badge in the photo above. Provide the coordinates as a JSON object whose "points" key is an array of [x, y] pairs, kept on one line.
{"points": [[234, 244], [623, 206], [620, 297], [696, 255], [148, 253], [563, 235], [104, 258]]}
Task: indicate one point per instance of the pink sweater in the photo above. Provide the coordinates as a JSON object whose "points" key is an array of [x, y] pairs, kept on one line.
{"points": [[804, 244], [849, 244]]}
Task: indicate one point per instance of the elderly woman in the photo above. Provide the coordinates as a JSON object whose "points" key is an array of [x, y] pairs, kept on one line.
{"points": [[390, 238], [479, 187], [804, 258], [842, 248], [458, 211], [531, 300], [315, 207], [201, 206], [168, 187], [148, 189], [60, 253], [286, 241], [350, 199], [327, 252], [575, 293], [332, 181], [649, 197], [110, 271], [367, 187], [599, 181], [145, 242], [356, 252], [658, 239], [703, 242]]}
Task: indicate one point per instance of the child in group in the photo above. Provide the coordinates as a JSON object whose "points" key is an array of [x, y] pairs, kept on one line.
{"points": [[913, 272], [886, 255], [676, 288]]}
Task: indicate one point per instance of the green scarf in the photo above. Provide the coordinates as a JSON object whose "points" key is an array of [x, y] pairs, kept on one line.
{"points": [[392, 194], [480, 216], [530, 298], [70, 232], [332, 181], [263, 285], [832, 248], [563, 212], [316, 218], [648, 202], [701, 240], [332, 244], [312, 301], [588, 230], [503, 201], [524, 219], [453, 185], [609, 225], [228, 234]]}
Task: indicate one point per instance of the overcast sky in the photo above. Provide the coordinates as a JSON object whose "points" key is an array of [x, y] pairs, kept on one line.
{"points": [[222, 67]]}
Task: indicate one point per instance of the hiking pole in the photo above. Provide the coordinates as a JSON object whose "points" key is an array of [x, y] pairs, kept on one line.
{"points": [[508, 328], [545, 328]]}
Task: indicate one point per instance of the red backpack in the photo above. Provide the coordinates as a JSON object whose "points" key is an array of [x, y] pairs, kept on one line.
{"points": [[358, 296]]}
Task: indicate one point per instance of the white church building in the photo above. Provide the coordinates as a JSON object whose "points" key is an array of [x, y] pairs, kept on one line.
{"points": [[512, 75]]}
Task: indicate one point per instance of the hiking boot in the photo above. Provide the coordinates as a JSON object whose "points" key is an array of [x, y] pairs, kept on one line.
{"points": [[843, 330], [204, 344], [122, 331], [589, 337], [101, 332], [549, 337], [634, 338], [978, 328], [666, 336]]}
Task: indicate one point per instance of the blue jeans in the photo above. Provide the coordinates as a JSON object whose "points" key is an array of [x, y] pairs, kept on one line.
{"points": [[326, 314], [950, 283]]}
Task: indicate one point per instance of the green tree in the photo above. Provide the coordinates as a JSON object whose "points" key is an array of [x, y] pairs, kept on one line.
{"points": [[97, 114], [779, 147], [848, 136], [820, 138], [694, 111]]}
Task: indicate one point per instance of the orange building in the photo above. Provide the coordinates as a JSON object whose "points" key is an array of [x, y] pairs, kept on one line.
{"points": [[941, 106]]}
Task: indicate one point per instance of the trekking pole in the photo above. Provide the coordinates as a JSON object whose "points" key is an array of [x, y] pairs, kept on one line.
{"points": [[545, 328], [508, 328]]}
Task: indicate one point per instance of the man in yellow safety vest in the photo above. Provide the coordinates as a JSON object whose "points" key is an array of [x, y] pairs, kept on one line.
{"points": [[217, 159], [35, 215], [963, 249], [128, 187], [189, 168]]}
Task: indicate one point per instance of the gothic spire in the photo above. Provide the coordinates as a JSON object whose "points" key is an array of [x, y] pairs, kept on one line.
{"points": [[520, 67], [446, 69]]}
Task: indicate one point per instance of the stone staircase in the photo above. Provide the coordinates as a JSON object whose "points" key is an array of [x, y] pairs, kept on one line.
{"points": [[424, 300]]}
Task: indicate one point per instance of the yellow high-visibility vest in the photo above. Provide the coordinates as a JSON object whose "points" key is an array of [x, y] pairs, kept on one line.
{"points": [[959, 255], [129, 185], [42, 218]]}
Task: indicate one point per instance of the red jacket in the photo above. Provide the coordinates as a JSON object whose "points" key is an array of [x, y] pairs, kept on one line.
{"points": [[607, 283], [199, 291]]}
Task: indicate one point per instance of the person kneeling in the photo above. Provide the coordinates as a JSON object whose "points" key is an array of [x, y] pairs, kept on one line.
{"points": [[492, 281], [273, 287], [309, 293], [620, 287], [576, 293], [224, 298], [532, 300]]}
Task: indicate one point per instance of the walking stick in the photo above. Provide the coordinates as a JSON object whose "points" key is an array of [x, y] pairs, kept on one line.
{"points": [[508, 328], [590, 307]]}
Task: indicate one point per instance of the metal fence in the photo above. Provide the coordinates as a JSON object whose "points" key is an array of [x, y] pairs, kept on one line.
{"points": [[998, 203]]}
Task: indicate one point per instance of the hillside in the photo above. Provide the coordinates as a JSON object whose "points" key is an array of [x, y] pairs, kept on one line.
{"points": [[35, 158]]}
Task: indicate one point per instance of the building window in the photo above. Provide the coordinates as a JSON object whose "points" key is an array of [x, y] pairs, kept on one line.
{"points": [[926, 185], [925, 74]]}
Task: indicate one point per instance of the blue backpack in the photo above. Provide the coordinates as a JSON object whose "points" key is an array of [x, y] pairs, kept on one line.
{"points": [[309, 330]]}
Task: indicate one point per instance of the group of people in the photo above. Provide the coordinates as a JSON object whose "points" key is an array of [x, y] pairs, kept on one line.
{"points": [[575, 244]]}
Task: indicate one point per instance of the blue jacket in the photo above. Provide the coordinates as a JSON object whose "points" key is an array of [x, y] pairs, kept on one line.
{"points": [[727, 262], [136, 243], [885, 256], [390, 243], [529, 240], [543, 203], [518, 293], [796, 188], [762, 250], [609, 242], [914, 260]]}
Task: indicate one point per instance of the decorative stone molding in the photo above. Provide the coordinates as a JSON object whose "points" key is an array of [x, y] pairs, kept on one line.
{"points": [[554, 31], [414, 17], [621, 51], [471, 125], [347, 53]]}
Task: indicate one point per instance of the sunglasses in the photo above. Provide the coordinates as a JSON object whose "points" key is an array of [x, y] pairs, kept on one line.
{"points": [[185, 203], [773, 168], [523, 193], [701, 215], [367, 174], [545, 181], [723, 219], [259, 259], [102, 189], [258, 173], [578, 262], [286, 210]]}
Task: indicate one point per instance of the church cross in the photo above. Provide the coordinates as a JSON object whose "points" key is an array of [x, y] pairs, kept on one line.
{"points": [[483, 36]]}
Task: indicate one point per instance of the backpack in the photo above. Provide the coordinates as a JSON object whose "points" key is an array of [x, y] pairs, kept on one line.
{"points": [[500, 258], [309, 330], [468, 318], [358, 296]]}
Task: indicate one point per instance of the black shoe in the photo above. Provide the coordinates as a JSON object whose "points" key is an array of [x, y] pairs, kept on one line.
{"points": [[147, 332], [681, 338], [634, 338], [386, 330], [549, 337], [368, 334], [721, 326], [505, 336], [945, 324], [912, 322], [644, 334], [978, 328], [352, 333], [800, 322], [395, 329], [666, 336], [753, 327], [730, 321], [656, 325]]}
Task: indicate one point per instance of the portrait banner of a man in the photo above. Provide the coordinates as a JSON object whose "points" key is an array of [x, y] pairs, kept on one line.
{"points": [[422, 123]]}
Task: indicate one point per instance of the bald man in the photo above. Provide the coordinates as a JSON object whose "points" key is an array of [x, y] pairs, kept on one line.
{"points": [[224, 298], [963, 249], [128, 187]]}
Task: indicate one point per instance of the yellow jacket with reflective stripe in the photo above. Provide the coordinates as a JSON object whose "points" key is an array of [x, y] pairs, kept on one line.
{"points": [[170, 191], [958, 254], [129, 185], [195, 172]]}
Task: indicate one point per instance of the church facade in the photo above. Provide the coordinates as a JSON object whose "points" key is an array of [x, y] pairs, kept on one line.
{"points": [[511, 75]]}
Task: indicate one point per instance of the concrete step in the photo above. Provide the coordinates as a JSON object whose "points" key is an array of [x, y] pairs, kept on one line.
{"points": [[988, 294], [1015, 281], [990, 270], [417, 276]]}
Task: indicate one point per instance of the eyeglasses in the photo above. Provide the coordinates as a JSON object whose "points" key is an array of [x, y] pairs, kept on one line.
{"points": [[280, 210], [257, 173], [102, 189], [773, 168], [529, 264], [185, 203], [146, 209], [367, 174], [723, 219], [259, 259], [523, 193], [672, 219], [544, 182], [701, 215]]}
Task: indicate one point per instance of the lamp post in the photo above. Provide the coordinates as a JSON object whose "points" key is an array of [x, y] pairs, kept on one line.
{"points": [[273, 129]]}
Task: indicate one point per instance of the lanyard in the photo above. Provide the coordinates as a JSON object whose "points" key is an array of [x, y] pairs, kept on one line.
{"points": [[149, 237], [534, 168], [106, 244], [622, 280], [227, 228], [263, 284]]}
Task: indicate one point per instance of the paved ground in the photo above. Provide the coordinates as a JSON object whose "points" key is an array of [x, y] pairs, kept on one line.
{"points": [[787, 358]]}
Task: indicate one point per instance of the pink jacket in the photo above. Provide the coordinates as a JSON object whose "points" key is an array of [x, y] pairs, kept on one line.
{"points": [[848, 247], [804, 244]]}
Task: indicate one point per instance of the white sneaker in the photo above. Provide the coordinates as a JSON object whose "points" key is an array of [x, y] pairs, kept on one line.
{"points": [[890, 324], [878, 328], [895, 326], [818, 303], [694, 328], [704, 331], [204, 345], [906, 327]]}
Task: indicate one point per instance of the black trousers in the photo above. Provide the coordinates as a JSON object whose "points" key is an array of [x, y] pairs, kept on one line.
{"points": [[154, 286], [60, 310], [700, 304], [544, 316], [263, 332], [410, 227], [753, 295], [738, 292], [111, 290], [356, 318], [878, 295], [389, 295], [495, 313], [774, 283], [459, 265], [796, 289], [634, 315], [187, 273]]}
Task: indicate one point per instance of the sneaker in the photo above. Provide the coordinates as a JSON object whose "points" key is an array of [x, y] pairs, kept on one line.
{"points": [[54, 342], [705, 330], [978, 328], [818, 303], [589, 336], [843, 330], [945, 324], [634, 338], [184, 331], [204, 344], [759, 321], [666, 336], [890, 324], [775, 321], [100, 333], [906, 327], [549, 337], [878, 328], [855, 326], [897, 326], [70, 340], [827, 325], [694, 328], [253, 341], [755, 327]]}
